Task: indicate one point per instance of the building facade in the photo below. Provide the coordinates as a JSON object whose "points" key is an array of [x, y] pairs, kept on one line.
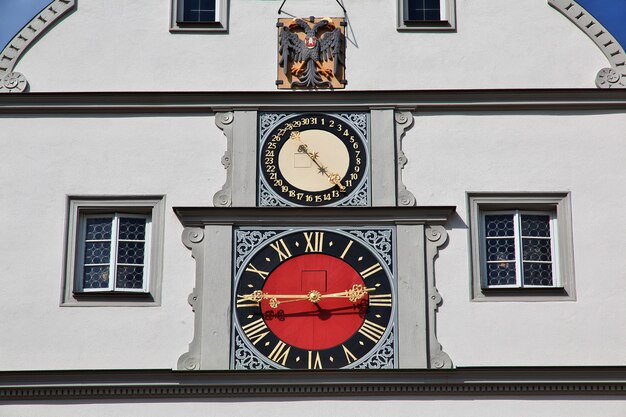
{"points": [[436, 206]]}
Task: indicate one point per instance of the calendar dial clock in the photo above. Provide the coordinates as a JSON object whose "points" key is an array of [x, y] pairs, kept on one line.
{"points": [[314, 159], [313, 299]]}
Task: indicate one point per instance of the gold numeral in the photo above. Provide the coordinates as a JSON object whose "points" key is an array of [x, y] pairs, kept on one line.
{"points": [[277, 247], [346, 249], [372, 330], [380, 300], [314, 245], [255, 330], [246, 302], [252, 268], [371, 270], [349, 356], [279, 353], [315, 363]]}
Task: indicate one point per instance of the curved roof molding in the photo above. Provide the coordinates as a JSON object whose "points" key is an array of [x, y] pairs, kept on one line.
{"points": [[614, 77], [14, 82]]}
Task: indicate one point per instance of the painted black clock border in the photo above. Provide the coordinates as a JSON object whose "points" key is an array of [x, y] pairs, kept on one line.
{"points": [[270, 175], [358, 348]]}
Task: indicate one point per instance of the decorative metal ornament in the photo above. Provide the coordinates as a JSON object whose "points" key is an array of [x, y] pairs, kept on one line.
{"points": [[311, 53]]}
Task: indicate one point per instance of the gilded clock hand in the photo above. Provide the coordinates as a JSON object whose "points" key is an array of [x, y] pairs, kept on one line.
{"points": [[354, 294], [303, 148]]}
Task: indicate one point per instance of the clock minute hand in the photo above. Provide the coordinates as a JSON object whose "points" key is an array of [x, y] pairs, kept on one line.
{"points": [[354, 294]]}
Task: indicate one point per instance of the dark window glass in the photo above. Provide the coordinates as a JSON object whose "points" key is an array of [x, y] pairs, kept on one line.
{"points": [[423, 10], [198, 10]]}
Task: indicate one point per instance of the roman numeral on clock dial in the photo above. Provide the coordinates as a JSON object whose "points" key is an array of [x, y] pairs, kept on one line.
{"points": [[380, 300], [315, 362], [314, 241], [372, 330], [252, 268], [371, 270], [280, 246], [279, 354], [256, 330]]}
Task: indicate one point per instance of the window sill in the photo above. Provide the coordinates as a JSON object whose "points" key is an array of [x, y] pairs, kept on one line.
{"points": [[524, 294], [110, 299]]}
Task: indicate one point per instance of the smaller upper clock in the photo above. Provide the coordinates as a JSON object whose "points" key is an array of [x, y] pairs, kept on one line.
{"points": [[313, 159]]}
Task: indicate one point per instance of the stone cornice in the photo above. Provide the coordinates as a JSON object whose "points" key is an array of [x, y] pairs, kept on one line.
{"points": [[163, 384], [420, 100]]}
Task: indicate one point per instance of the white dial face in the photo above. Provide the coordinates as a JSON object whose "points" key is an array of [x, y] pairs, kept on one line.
{"points": [[304, 170]]}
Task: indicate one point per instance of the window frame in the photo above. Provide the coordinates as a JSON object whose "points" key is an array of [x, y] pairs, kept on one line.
{"points": [[559, 205], [113, 261], [517, 237], [220, 24], [447, 22], [81, 208]]}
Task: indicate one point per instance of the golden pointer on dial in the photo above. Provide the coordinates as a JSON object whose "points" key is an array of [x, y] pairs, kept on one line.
{"points": [[303, 148], [354, 294]]}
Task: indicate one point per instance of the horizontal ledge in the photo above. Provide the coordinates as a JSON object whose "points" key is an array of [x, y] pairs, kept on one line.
{"points": [[287, 216], [157, 384], [422, 100]]}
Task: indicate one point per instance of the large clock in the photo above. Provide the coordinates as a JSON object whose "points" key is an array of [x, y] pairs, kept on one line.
{"points": [[313, 298], [313, 159]]}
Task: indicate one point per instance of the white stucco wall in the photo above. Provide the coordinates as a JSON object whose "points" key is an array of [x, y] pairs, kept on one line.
{"points": [[45, 159], [117, 45]]}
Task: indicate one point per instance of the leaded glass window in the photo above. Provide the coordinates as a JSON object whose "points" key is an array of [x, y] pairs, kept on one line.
{"points": [[519, 249], [113, 253]]}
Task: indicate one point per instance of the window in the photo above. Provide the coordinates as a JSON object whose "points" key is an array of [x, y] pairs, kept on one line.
{"points": [[426, 15], [521, 246], [114, 251], [199, 15]]}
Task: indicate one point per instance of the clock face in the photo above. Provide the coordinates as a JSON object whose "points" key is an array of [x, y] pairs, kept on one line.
{"points": [[314, 299], [314, 159]]}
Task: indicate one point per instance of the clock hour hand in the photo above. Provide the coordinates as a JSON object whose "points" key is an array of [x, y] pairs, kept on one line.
{"points": [[303, 148]]}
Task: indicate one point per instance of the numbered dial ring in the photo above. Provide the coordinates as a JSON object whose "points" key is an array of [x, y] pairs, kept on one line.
{"points": [[314, 299], [313, 159]]}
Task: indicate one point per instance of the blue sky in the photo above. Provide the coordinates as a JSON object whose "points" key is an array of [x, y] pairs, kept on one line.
{"points": [[14, 14], [612, 15]]}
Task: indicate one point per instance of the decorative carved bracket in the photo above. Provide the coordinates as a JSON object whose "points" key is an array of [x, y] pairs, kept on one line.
{"points": [[436, 236], [224, 120], [15, 82], [192, 238], [404, 121], [614, 77]]}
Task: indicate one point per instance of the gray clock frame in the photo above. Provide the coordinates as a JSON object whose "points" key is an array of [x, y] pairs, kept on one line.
{"points": [[208, 233], [387, 126]]}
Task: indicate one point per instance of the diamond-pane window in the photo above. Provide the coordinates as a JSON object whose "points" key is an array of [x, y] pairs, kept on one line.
{"points": [[114, 252], [518, 249]]}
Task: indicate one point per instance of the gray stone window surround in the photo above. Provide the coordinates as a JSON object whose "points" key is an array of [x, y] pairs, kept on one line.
{"points": [[79, 206], [558, 203], [447, 22], [219, 25]]}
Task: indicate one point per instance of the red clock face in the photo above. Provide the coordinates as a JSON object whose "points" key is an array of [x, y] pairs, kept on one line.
{"points": [[329, 321], [313, 299]]}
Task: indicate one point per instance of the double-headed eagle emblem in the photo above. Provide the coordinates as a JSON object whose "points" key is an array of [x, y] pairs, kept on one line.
{"points": [[311, 54]]}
